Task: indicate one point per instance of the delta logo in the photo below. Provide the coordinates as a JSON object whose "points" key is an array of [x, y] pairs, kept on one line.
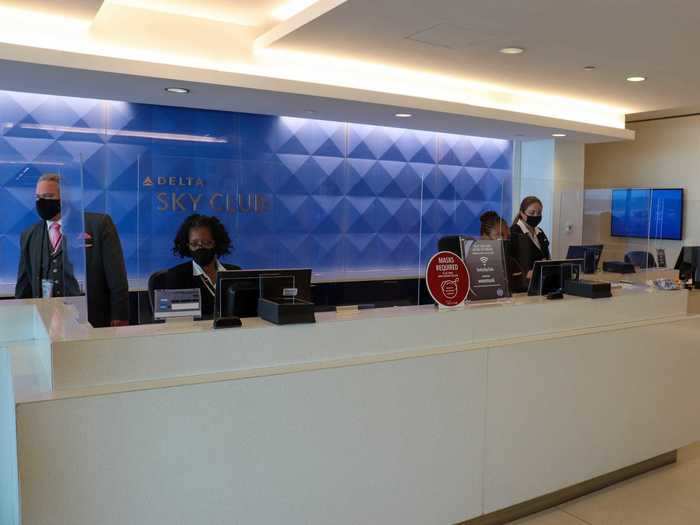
{"points": [[174, 182]]}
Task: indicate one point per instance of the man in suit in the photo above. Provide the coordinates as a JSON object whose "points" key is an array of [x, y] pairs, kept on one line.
{"points": [[44, 256]]}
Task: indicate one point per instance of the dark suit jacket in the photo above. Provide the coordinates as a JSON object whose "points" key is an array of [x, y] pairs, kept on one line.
{"points": [[517, 277], [180, 277], [526, 252], [106, 284]]}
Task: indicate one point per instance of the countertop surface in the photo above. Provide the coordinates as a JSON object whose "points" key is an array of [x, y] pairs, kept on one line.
{"points": [[84, 361], [62, 326]]}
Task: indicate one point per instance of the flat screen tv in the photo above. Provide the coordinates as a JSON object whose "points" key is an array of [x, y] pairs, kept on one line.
{"points": [[647, 213]]}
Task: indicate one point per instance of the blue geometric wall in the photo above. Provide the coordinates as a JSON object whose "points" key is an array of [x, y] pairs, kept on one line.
{"points": [[292, 192]]}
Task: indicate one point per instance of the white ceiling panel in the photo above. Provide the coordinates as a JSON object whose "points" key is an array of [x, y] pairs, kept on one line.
{"points": [[69, 8], [659, 40]]}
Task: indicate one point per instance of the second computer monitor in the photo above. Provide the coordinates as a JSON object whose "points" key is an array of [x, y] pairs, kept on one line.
{"points": [[238, 291], [550, 276], [591, 255]]}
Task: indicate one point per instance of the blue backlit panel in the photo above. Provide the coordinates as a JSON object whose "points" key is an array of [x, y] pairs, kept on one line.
{"points": [[292, 192]]}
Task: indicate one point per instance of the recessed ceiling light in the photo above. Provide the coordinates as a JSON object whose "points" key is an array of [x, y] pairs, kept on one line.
{"points": [[177, 90], [589, 68], [636, 79], [404, 115], [512, 50], [558, 135]]}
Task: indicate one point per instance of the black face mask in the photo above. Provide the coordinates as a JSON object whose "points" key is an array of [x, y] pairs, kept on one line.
{"points": [[48, 208], [203, 256], [534, 221]]}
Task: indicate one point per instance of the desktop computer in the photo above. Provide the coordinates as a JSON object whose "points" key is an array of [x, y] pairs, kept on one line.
{"points": [[550, 276], [591, 255], [283, 295]]}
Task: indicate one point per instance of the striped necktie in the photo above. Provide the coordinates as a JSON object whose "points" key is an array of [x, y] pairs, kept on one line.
{"points": [[55, 236]]}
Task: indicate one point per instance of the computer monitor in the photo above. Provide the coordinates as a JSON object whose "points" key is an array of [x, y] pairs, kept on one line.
{"points": [[238, 291], [688, 264], [453, 244], [591, 255], [549, 276]]}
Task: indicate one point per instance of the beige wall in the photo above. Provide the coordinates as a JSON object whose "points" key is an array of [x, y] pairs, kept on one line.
{"points": [[666, 153], [568, 190], [553, 171]]}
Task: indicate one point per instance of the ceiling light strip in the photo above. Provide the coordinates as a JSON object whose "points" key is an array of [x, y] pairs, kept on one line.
{"points": [[300, 18], [291, 8], [328, 70], [200, 11]]}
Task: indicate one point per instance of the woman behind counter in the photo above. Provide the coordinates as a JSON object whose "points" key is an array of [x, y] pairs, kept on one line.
{"points": [[529, 243], [203, 239], [494, 228]]}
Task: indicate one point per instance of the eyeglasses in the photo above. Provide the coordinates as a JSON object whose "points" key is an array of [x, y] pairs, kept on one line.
{"points": [[198, 245]]}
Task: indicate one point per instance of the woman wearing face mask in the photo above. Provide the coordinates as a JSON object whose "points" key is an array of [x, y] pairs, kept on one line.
{"points": [[529, 243], [203, 239], [494, 228]]}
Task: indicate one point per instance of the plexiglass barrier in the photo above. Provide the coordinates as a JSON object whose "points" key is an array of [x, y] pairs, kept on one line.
{"points": [[464, 201], [638, 234], [69, 256], [352, 220], [356, 204], [47, 255], [614, 231], [348, 220]]}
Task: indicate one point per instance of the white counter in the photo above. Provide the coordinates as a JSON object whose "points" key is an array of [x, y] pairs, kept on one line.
{"points": [[85, 357], [404, 415]]}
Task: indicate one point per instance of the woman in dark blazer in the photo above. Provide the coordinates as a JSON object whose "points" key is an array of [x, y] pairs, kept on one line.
{"points": [[202, 239], [528, 242], [494, 228]]}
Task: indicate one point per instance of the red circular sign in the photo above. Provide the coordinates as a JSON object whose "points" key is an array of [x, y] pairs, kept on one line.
{"points": [[447, 279]]}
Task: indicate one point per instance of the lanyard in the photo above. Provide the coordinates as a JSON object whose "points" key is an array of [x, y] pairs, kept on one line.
{"points": [[208, 284]]}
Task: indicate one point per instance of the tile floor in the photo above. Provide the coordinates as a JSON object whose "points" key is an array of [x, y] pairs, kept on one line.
{"points": [[668, 496]]}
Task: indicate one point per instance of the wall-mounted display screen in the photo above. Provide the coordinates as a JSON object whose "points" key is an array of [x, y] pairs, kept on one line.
{"points": [[647, 213]]}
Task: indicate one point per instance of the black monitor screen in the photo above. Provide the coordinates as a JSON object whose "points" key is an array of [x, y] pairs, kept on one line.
{"points": [[590, 254], [549, 276], [238, 291]]}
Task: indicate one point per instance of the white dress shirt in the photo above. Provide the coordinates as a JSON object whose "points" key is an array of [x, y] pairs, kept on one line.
{"points": [[51, 223], [533, 236], [198, 270]]}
